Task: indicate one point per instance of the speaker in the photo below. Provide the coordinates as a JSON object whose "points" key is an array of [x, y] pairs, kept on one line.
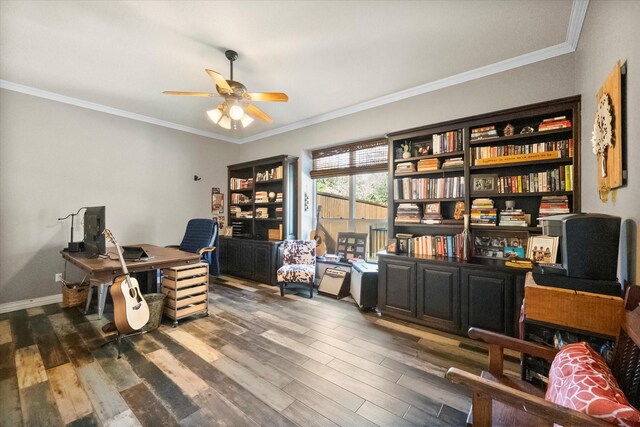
{"points": [[334, 283]]}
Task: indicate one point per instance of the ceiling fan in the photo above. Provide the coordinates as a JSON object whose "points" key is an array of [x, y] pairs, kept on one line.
{"points": [[236, 110]]}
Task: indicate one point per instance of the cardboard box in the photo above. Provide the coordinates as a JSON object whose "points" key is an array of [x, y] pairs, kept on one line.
{"points": [[585, 311]]}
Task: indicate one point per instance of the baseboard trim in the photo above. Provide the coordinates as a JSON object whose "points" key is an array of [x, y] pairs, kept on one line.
{"points": [[29, 303]]}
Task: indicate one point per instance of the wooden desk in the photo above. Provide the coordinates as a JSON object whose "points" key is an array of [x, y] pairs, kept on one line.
{"points": [[102, 271]]}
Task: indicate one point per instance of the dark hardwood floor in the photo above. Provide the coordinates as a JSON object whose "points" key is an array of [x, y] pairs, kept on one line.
{"points": [[257, 359]]}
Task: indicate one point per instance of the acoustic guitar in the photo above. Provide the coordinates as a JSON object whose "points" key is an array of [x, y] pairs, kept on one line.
{"points": [[130, 310], [319, 236]]}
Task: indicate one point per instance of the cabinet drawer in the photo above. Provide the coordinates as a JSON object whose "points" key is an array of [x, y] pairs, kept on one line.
{"points": [[179, 284], [185, 271], [181, 293], [172, 303], [185, 311]]}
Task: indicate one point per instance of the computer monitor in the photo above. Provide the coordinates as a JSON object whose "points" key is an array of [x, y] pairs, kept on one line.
{"points": [[94, 224]]}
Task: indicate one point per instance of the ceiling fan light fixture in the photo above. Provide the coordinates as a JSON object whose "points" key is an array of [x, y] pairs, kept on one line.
{"points": [[246, 120], [225, 122], [236, 111], [215, 115]]}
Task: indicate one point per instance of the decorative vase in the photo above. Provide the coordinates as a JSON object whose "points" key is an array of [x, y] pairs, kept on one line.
{"points": [[467, 244], [406, 155]]}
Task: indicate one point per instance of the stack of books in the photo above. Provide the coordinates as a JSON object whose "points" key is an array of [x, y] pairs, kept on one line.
{"points": [[408, 213], [405, 167], [453, 162], [262, 213], [553, 205], [513, 218], [560, 122], [485, 132], [234, 211], [428, 165], [262, 197], [483, 212], [278, 197], [279, 212]]}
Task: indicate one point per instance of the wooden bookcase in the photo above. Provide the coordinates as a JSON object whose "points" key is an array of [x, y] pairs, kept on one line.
{"points": [[444, 292], [529, 201], [272, 218]]}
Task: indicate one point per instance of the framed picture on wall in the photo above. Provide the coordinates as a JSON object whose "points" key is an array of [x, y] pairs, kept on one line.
{"points": [[217, 201]]}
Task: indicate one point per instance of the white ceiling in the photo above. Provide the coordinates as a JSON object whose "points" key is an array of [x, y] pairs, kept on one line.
{"points": [[331, 57]]}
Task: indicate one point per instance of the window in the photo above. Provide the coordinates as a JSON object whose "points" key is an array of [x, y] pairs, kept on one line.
{"points": [[351, 190]]}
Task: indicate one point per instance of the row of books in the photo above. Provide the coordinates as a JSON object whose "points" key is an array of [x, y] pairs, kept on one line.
{"points": [[447, 142], [240, 199], [565, 147], [484, 133], [444, 246], [560, 179], [560, 122], [553, 205], [428, 188], [270, 174], [240, 183]]}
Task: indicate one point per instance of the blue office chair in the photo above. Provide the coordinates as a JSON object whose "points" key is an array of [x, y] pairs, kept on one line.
{"points": [[201, 237]]}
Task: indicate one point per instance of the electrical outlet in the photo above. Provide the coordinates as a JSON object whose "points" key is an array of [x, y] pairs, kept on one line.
{"points": [[58, 277]]}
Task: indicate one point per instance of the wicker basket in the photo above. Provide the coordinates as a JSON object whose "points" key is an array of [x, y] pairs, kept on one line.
{"points": [[156, 305], [74, 294]]}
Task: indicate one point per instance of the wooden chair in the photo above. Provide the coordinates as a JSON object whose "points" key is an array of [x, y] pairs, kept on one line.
{"points": [[501, 400]]}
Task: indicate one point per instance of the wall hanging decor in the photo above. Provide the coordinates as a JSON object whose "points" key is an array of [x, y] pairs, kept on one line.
{"points": [[607, 139]]}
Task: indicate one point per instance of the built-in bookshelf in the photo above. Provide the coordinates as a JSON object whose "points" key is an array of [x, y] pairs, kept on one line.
{"points": [[262, 198], [517, 165]]}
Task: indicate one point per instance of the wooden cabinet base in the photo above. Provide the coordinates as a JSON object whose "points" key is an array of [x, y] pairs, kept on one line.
{"points": [[187, 291]]}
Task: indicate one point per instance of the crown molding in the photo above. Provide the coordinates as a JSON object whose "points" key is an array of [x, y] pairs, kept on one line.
{"points": [[576, 19], [16, 87]]}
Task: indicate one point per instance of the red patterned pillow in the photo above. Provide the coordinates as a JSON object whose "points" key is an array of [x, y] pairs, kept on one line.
{"points": [[580, 379]]}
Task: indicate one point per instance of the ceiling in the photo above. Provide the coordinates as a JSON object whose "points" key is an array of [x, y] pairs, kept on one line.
{"points": [[331, 57]]}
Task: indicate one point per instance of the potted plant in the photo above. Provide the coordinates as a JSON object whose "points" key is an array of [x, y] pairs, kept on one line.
{"points": [[406, 150]]}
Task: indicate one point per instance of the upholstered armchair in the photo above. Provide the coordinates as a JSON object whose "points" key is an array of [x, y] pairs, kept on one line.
{"points": [[299, 264]]}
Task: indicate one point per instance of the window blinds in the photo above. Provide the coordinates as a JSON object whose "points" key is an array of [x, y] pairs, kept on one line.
{"points": [[351, 159]]}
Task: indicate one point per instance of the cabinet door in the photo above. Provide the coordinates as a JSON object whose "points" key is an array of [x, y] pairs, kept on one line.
{"points": [[222, 254], [438, 296], [246, 260], [397, 287], [262, 263], [233, 256], [487, 300]]}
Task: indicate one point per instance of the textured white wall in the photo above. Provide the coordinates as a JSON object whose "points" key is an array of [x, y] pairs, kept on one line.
{"points": [[55, 158], [610, 32]]}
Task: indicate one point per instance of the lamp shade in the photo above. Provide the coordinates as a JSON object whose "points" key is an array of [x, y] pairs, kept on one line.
{"points": [[236, 111]]}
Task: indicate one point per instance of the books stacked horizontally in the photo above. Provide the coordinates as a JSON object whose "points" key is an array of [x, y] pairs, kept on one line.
{"points": [[553, 205], [234, 211], [485, 132], [262, 197], [453, 162], [483, 212], [279, 212], [405, 167], [513, 218], [408, 213], [560, 122], [262, 213], [428, 165], [278, 197]]}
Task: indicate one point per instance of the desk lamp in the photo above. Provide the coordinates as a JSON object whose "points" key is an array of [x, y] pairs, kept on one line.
{"points": [[73, 246]]}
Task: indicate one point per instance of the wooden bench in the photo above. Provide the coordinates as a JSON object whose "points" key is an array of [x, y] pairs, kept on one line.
{"points": [[501, 400]]}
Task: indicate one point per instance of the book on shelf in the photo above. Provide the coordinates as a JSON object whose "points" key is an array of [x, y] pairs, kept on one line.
{"points": [[428, 188], [270, 174], [558, 179], [240, 183], [240, 199], [262, 197], [453, 162], [553, 123], [409, 213], [442, 245], [262, 213], [428, 164], [483, 212], [484, 133], [405, 167], [565, 147], [447, 142], [513, 218], [553, 205]]}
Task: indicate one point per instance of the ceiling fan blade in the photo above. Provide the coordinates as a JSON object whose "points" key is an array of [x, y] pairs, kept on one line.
{"points": [[257, 113], [268, 96], [220, 81], [173, 92]]}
